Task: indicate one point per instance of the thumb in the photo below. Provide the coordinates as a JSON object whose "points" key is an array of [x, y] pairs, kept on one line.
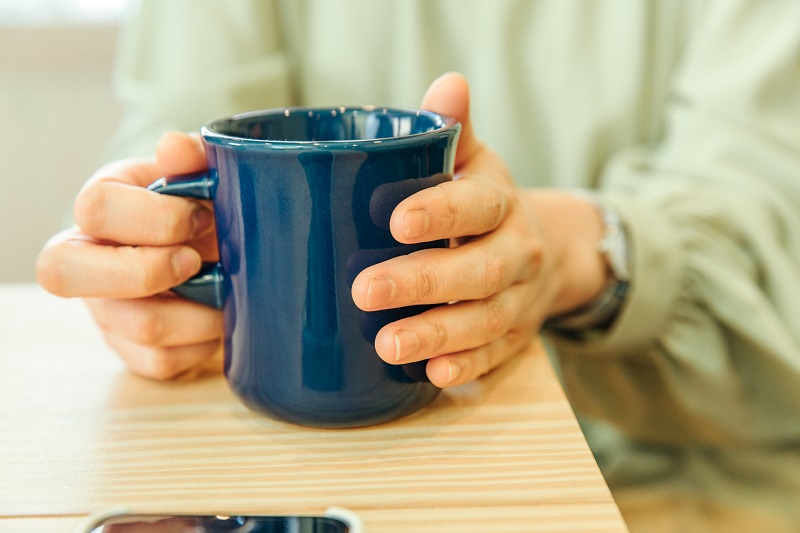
{"points": [[449, 95]]}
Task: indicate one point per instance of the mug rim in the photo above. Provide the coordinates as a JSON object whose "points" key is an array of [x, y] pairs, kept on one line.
{"points": [[446, 126]]}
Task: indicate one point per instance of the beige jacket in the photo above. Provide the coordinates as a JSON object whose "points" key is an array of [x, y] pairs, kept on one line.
{"points": [[686, 116]]}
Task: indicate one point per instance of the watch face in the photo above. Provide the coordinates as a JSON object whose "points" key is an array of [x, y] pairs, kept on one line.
{"points": [[617, 253], [615, 244]]}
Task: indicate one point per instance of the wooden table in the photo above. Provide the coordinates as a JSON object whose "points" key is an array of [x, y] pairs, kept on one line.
{"points": [[80, 434]]}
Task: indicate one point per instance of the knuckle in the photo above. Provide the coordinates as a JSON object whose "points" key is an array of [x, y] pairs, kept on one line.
{"points": [[495, 211], [158, 363], [480, 362], [425, 284], [167, 223], [142, 277], [449, 215], [494, 274], [146, 328], [439, 336], [532, 257], [496, 317], [90, 210], [518, 341], [535, 263]]}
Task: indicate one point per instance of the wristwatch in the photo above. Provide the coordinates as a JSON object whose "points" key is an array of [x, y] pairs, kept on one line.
{"points": [[613, 246]]}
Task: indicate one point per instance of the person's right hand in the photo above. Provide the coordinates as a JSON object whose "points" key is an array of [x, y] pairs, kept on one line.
{"points": [[128, 247]]}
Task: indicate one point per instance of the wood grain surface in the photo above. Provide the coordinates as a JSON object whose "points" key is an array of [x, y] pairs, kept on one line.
{"points": [[81, 434]]}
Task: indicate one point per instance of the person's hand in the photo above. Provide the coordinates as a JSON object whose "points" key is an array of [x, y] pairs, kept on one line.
{"points": [[517, 257], [128, 247]]}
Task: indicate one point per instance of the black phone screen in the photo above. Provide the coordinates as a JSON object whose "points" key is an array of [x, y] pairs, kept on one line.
{"points": [[220, 524]]}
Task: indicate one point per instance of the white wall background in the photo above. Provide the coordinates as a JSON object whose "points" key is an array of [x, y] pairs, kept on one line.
{"points": [[56, 115]]}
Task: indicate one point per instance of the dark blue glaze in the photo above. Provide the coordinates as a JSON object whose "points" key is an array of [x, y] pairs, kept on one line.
{"points": [[302, 199]]}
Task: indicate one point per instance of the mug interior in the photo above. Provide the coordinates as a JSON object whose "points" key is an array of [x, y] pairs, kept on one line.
{"points": [[328, 124]]}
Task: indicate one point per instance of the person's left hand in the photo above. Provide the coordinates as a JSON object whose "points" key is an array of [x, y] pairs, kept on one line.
{"points": [[516, 258]]}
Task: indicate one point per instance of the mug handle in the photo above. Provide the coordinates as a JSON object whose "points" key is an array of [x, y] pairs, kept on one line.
{"points": [[207, 286]]}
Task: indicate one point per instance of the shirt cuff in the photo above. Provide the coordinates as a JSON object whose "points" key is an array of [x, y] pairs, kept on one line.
{"points": [[656, 266]]}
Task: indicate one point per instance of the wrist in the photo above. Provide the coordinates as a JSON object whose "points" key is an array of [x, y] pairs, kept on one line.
{"points": [[571, 230], [599, 313]]}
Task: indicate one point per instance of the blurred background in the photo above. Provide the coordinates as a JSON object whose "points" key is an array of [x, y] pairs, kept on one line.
{"points": [[57, 113]]}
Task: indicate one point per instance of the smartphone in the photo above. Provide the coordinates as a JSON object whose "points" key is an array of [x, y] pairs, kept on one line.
{"points": [[341, 521]]}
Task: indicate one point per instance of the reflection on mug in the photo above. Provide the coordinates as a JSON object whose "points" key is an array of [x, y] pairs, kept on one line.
{"points": [[322, 364], [387, 196]]}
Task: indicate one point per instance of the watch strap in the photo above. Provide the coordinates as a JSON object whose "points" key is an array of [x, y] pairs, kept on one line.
{"points": [[604, 308], [597, 315]]}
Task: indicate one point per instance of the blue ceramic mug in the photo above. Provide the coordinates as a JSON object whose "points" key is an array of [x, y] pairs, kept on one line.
{"points": [[302, 200]]}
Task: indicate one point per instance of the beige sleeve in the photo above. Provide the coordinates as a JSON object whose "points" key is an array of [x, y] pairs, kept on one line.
{"points": [[707, 347], [181, 63]]}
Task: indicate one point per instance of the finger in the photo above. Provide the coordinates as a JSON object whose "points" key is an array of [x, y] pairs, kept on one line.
{"points": [[72, 264], [449, 95], [114, 205], [466, 207], [451, 328], [159, 321], [475, 270], [459, 368], [162, 362], [139, 172], [129, 214], [206, 246], [180, 153], [176, 153]]}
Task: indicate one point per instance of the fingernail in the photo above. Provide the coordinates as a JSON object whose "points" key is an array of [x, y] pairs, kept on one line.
{"points": [[380, 292], [454, 371], [406, 344], [416, 223], [185, 262], [202, 221]]}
